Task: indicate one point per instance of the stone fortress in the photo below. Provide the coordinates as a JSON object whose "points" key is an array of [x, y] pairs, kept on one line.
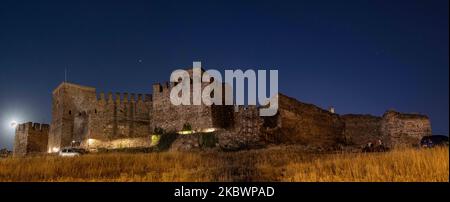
{"points": [[81, 117]]}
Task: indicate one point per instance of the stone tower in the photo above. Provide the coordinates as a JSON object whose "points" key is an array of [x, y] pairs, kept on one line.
{"points": [[71, 105], [201, 117], [30, 138]]}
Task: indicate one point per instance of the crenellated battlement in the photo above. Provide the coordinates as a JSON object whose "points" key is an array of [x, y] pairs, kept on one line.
{"points": [[147, 97], [119, 115], [123, 97], [162, 88], [157, 88], [32, 126]]}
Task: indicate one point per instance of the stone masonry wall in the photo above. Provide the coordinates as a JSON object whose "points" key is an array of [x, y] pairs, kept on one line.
{"points": [[405, 129], [78, 115], [124, 116], [134, 142], [31, 138], [172, 118], [360, 129], [70, 107], [169, 117], [246, 131], [304, 124]]}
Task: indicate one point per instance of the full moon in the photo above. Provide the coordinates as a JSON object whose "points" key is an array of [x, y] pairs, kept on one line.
{"points": [[13, 124]]}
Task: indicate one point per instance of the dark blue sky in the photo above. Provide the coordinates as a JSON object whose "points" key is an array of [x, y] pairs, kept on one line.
{"points": [[359, 56]]}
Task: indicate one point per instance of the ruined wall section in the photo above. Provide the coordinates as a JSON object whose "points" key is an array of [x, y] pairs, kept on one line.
{"points": [[246, 130], [394, 129], [304, 124], [31, 138], [405, 129], [360, 129]]}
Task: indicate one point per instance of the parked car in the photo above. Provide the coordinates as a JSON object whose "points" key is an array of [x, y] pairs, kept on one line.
{"points": [[71, 152], [434, 140]]}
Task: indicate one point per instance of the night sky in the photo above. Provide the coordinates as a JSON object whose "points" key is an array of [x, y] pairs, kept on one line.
{"points": [[358, 56]]}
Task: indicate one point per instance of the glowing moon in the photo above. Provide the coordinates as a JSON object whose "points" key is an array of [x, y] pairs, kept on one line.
{"points": [[13, 124]]}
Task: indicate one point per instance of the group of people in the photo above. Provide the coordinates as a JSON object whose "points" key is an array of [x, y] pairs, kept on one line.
{"points": [[371, 147], [379, 143]]}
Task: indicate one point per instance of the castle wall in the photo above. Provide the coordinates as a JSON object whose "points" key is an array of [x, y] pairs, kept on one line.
{"points": [[360, 129], [128, 120], [304, 124], [78, 115], [31, 138], [405, 129], [131, 142], [394, 129], [246, 130], [121, 116], [20, 141]]}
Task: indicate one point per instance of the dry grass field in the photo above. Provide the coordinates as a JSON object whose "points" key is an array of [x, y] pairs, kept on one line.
{"points": [[272, 164]]}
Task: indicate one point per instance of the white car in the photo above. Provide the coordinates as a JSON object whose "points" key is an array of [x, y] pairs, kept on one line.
{"points": [[71, 152]]}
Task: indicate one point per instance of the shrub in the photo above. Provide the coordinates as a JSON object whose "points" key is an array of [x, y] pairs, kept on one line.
{"points": [[208, 140], [158, 130], [187, 127], [166, 140]]}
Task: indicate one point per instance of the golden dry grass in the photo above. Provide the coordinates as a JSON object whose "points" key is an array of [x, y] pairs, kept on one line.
{"points": [[272, 164]]}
